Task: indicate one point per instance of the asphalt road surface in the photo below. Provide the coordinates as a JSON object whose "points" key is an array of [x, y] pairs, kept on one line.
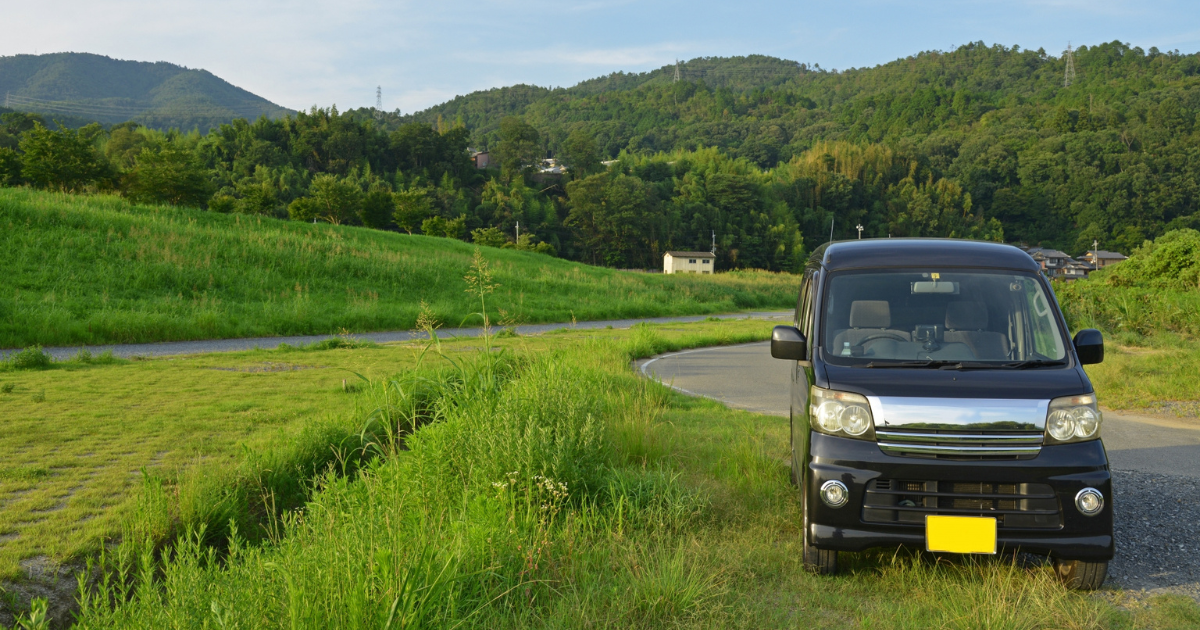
{"points": [[1156, 462], [172, 348]]}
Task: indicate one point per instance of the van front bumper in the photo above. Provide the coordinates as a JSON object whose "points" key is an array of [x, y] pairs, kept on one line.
{"points": [[1065, 469]]}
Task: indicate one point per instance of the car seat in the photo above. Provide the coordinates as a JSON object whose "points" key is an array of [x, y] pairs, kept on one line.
{"points": [[868, 319], [966, 323]]}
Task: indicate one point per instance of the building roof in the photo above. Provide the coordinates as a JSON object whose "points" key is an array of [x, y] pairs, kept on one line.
{"points": [[690, 254], [1051, 253], [1100, 253], [922, 252]]}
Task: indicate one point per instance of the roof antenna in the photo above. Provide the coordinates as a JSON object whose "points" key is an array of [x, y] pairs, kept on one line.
{"points": [[831, 229]]}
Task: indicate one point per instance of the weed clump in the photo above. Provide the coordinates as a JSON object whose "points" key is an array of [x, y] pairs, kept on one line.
{"points": [[31, 358], [7, 388]]}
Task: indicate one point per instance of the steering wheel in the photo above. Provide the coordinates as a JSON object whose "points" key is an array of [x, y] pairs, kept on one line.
{"points": [[868, 338]]}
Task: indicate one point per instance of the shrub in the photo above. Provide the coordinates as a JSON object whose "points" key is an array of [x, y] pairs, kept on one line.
{"points": [[1172, 261], [32, 358]]}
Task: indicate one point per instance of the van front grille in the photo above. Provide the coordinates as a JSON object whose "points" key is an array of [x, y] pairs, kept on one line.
{"points": [[1014, 505], [934, 444]]}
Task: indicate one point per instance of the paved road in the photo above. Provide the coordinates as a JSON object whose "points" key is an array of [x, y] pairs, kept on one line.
{"points": [[170, 348], [1156, 462]]}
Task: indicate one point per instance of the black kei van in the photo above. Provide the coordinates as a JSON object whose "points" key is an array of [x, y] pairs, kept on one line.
{"points": [[938, 404]]}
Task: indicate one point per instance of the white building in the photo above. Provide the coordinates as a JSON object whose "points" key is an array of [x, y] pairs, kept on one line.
{"points": [[688, 262]]}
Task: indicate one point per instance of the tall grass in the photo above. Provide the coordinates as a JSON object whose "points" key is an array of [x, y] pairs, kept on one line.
{"points": [[1136, 311], [96, 269]]}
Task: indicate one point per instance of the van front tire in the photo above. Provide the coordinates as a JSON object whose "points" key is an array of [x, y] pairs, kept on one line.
{"points": [[819, 561], [1078, 575]]}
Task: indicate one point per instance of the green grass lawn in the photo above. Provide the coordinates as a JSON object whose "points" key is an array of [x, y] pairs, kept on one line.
{"points": [[1154, 373], [96, 269], [550, 487]]}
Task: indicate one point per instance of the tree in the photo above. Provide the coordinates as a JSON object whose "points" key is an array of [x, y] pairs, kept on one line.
{"points": [[488, 237], [581, 153], [168, 175], [377, 208], [330, 198], [10, 167], [63, 159], [440, 226], [519, 147], [412, 208]]}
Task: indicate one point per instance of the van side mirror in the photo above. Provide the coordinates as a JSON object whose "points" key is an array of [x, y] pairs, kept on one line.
{"points": [[1089, 345], [787, 343]]}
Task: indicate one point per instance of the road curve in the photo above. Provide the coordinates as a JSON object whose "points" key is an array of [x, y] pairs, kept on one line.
{"points": [[1155, 462], [171, 348]]}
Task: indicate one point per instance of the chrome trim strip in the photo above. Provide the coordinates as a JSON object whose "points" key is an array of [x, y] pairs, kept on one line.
{"points": [[930, 449], [961, 438], [975, 414]]}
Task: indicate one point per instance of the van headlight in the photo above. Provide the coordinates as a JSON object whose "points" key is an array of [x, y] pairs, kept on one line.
{"points": [[841, 413], [1073, 419]]}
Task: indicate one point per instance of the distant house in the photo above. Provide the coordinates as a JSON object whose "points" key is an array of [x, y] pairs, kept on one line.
{"points": [[1059, 266], [482, 159], [688, 262], [1099, 259], [1053, 262]]}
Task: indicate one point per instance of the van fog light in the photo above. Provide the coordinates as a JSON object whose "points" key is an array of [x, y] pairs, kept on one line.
{"points": [[835, 494], [1089, 501]]}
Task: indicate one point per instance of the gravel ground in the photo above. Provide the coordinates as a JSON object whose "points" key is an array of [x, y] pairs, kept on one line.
{"points": [[1158, 542]]}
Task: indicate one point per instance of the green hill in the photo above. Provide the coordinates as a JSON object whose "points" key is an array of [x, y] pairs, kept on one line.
{"points": [[96, 269], [92, 87]]}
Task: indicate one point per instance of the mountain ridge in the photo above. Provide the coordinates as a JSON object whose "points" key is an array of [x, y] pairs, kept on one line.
{"points": [[156, 94]]}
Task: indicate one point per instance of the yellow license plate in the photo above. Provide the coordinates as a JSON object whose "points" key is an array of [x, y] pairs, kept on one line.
{"points": [[960, 534]]}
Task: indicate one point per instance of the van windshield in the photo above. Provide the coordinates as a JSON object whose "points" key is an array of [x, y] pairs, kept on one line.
{"points": [[927, 316]]}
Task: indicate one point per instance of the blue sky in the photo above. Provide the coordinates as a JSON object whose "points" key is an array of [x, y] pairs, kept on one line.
{"points": [[301, 53]]}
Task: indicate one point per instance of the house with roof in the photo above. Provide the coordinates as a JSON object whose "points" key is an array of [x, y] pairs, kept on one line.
{"points": [[689, 262], [1053, 262], [1099, 259]]}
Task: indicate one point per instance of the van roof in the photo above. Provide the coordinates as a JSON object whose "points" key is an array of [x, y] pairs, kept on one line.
{"points": [[921, 252]]}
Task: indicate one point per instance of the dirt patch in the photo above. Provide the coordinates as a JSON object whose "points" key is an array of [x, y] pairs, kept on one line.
{"points": [[47, 579], [268, 366]]}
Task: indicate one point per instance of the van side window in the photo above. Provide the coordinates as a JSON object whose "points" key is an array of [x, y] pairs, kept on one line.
{"points": [[807, 295]]}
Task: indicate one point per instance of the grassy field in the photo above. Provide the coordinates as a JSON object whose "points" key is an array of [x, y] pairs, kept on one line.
{"points": [[552, 488], [96, 269], [77, 436]]}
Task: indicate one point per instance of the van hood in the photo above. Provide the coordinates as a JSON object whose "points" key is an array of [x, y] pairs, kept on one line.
{"points": [[1033, 384]]}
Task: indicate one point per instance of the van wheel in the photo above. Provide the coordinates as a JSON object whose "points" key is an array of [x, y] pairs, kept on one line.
{"points": [[819, 561], [795, 470], [1079, 575]]}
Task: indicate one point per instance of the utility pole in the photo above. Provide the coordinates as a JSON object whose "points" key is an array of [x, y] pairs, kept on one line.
{"points": [[859, 228], [714, 245], [518, 231], [1069, 78], [831, 229]]}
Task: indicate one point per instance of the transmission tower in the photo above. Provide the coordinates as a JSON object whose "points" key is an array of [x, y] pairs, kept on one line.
{"points": [[678, 74], [1070, 75], [378, 101]]}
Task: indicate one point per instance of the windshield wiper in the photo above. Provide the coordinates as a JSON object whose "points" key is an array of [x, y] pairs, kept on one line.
{"points": [[963, 365], [909, 364], [1021, 365]]}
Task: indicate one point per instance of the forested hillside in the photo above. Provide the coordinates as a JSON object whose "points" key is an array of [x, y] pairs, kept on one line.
{"points": [[764, 154], [1111, 157], [74, 87]]}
